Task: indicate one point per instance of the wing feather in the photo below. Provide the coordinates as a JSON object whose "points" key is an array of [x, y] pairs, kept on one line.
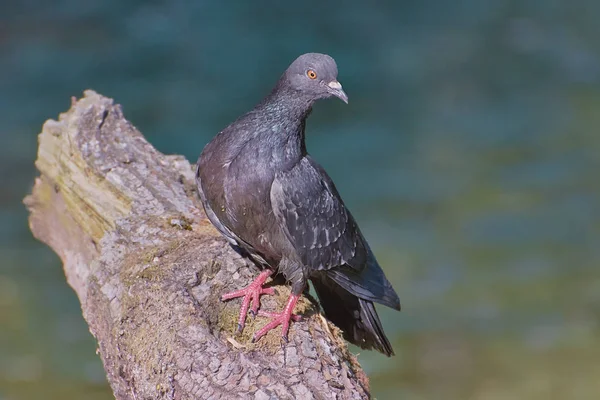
{"points": [[315, 219]]}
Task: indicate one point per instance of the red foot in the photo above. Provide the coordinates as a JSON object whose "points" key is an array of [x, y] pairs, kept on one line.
{"points": [[250, 293], [282, 319]]}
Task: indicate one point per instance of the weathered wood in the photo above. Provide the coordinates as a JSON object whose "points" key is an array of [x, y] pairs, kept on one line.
{"points": [[148, 269]]}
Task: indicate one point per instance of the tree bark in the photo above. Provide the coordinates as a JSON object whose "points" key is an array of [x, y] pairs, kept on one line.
{"points": [[148, 269]]}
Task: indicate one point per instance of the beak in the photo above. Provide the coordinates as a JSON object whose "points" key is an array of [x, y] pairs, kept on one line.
{"points": [[335, 88]]}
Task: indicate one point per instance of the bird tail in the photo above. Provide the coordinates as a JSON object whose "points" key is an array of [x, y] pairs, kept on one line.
{"points": [[356, 317]]}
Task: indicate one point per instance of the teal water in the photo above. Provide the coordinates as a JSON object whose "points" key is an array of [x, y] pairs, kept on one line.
{"points": [[469, 154]]}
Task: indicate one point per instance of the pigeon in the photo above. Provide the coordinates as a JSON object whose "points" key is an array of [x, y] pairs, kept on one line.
{"points": [[274, 203]]}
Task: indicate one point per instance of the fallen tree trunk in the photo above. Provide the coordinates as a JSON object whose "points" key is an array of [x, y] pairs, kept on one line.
{"points": [[148, 269]]}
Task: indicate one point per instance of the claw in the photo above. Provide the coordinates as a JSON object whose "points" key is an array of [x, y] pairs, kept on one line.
{"points": [[283, 318], [250, 294], [269, 314]]}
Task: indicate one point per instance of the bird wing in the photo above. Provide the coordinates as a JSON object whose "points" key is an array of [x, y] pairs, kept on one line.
{"points": [[315, 219], [313, 216]]}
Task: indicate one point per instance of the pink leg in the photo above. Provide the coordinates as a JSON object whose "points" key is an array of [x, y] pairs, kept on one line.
{"points": [[282, 319], [251, 293]]}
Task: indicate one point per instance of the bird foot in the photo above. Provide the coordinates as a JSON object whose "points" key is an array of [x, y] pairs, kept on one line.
{"points": [[250, 294], [283, 318]]}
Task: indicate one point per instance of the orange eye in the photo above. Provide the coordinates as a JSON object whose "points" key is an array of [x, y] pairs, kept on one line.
{"points": [[311, 74]]}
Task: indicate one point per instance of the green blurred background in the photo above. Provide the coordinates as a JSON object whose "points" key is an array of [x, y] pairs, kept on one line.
{"points": [[469, 154]]}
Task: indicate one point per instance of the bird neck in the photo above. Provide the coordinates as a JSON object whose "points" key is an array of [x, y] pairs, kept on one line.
{"points": [[286, 110], [288, 104]]}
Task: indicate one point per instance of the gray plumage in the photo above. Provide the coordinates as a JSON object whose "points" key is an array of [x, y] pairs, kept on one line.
{"points": [[265, 194]]}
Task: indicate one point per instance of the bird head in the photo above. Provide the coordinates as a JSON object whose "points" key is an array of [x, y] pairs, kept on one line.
{"points": [[315, 75]]}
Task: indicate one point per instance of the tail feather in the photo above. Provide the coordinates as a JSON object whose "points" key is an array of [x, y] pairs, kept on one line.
{"points": [[369, 285], [368, 282], [356, 317]]}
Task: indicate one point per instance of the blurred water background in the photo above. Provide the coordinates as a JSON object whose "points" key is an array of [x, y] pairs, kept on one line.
{"points": [[469, 154]]}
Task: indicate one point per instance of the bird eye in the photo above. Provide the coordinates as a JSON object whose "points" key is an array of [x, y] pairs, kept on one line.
{"points": [[311, 74]]}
